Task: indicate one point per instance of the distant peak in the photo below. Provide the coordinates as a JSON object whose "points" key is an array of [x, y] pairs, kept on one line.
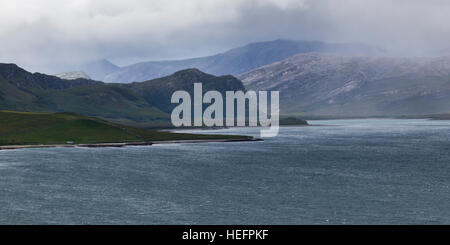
{"points": [[105, 61], [189, 71], [98, 69]]}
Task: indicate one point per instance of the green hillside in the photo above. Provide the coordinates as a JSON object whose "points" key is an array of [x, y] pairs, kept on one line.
{"points": [[146, 104], [158, 92], [25, 128]]}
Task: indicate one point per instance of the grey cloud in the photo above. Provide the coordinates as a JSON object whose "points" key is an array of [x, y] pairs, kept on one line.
{"points": [[52, 36]]}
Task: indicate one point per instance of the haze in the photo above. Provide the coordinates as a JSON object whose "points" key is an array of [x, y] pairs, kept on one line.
{"points": [[51, 36]]}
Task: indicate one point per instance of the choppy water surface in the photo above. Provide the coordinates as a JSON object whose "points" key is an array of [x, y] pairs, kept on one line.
{"points": [[374, 171]]}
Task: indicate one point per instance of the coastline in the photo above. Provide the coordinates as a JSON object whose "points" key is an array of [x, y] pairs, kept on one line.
{"points": [[124, 144]]}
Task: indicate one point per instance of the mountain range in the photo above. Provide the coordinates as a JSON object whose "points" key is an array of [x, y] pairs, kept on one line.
{"points": [[336, 85], [234, 61], [334, 82], [144, 104]]}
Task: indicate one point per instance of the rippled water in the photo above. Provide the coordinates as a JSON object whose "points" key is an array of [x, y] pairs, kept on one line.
{"points": [[377, 171]]}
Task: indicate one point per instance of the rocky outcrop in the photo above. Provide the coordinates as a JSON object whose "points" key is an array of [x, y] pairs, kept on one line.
{"points": [[72, 75]]}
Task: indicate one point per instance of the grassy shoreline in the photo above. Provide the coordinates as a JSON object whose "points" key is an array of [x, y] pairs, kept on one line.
{"points": [[124, 144], [66, 129]]}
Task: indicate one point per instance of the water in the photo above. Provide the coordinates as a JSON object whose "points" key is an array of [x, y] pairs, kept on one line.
{"points": [[343, 172]]}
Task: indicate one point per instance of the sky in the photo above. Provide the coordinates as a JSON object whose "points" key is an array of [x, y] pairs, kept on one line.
{"points": [[52, 35]]}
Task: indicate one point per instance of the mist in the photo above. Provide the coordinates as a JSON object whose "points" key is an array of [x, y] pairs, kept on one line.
{"points": [[53, 36]]}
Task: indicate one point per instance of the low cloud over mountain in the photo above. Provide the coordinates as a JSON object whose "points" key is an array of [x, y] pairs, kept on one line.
{"points": [[51, 36], [334, 85]]}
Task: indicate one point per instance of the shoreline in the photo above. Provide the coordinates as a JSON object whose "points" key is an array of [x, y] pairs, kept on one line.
{"points": [[124, 144], [180, 129]]}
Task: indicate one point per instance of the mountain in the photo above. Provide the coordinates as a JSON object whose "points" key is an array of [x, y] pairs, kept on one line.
{"points": [[234, 61], [144, 104], [72, 75], [98, 69], [158, 91], [335, 85]]}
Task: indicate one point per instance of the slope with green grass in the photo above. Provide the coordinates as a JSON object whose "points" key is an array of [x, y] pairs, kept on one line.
{"points": [[31, 128], [145, 104]]}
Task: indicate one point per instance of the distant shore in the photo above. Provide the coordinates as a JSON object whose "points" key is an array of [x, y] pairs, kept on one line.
{"points": [[430, 117], [102, 145]]}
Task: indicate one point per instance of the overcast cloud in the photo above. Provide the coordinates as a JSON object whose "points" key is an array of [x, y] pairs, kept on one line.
{"points": [[52, 35]]}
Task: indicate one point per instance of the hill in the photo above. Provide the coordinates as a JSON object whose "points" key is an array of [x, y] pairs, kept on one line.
{"points": [[234, 61], [145, 104], [357, 86], [158, 91], [30, 128]]}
